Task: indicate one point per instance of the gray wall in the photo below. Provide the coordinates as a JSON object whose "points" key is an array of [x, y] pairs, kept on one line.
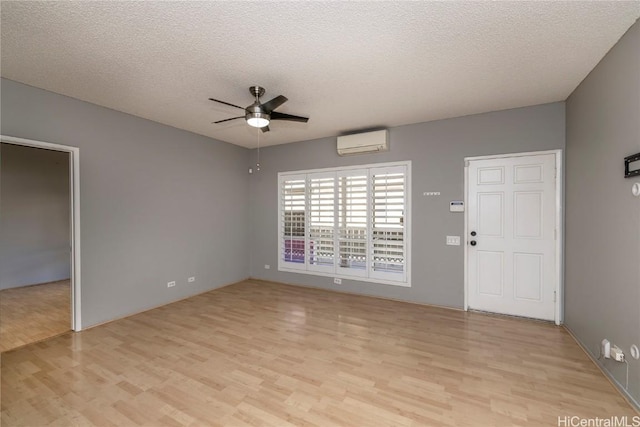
{"points": [[157, 203], [602, 217], [34, 216], [437, 150]]}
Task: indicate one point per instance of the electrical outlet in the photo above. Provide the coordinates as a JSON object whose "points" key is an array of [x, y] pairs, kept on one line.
{"points": [[191, 279], [337, 281], [171, 284], [617, 354], [267, 266]]}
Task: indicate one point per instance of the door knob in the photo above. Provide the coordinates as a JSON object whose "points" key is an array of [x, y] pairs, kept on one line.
{"points": [[473, 233], [473, 243]]}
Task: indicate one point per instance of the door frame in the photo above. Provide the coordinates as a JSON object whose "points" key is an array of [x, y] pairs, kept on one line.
{"points": [[559, 290], [74, 188]]}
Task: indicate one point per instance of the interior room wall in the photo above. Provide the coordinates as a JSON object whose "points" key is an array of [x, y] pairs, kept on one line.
{"points": [[157, 204], [34, 216], [602, 216], [437, 150]]}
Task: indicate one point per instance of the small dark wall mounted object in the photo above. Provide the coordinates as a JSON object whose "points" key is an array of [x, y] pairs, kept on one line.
{"points": [[630, 170]]}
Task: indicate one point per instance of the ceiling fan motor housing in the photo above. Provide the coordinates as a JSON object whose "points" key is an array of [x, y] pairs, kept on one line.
{"points": [[256, 116]]}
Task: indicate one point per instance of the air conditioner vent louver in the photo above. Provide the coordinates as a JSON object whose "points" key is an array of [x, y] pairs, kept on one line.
{"points": [[360, 143]]}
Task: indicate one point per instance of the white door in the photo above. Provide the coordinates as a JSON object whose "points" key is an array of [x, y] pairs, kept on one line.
{"points": [[511, 241]]}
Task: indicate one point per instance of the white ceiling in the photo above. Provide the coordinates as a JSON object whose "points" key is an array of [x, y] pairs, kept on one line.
{"points": [[346, 65]]}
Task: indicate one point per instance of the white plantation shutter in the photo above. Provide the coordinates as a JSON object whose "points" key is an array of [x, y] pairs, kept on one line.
{"points": [[353, 189], [292, 222], [346, 222], [321, 227], [387, 222]]}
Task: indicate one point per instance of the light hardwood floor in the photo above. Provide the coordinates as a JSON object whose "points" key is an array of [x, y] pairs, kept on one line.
{"points": [[33, 313], [259, 353]]}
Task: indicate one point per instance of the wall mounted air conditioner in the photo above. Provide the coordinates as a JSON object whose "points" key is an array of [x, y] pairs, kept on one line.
{"points": [[359, 143]]}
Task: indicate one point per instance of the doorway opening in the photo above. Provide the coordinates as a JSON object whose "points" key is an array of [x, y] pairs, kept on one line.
{"points": [[40, 282]]}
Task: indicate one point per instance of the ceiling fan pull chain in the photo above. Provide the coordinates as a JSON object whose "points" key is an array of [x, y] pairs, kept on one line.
{"points": [[258, 162]]}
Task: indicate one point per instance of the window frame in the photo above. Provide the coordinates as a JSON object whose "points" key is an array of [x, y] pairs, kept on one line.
{"points": [[336, 271]]}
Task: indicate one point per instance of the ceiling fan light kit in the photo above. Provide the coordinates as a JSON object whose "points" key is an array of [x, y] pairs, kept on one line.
{"points": [[259, 115], [257, 120]]}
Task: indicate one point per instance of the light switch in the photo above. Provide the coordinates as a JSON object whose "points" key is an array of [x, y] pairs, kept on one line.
{"points": [[453, 240]]}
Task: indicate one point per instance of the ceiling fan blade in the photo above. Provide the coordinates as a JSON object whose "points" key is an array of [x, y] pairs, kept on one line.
{"points": [[226, 103], [265, 129], [226, 120], [269, 106], [282, 116]]}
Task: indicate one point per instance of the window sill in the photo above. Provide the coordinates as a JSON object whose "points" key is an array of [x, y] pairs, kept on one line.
{"points": [[406, 284]]}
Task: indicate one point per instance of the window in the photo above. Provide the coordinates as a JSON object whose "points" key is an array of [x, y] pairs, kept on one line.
{"points": [[294, 219], [346, 222]]}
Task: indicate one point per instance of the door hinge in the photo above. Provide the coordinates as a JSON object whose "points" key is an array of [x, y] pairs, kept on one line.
{"points": [[555, 234], [554, 296]]}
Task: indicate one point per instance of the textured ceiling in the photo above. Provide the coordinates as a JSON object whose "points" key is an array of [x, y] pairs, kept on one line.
{"points": [[346, 65]]}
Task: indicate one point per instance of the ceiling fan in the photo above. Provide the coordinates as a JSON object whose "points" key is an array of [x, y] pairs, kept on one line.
{"points": [[259, 115]]}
